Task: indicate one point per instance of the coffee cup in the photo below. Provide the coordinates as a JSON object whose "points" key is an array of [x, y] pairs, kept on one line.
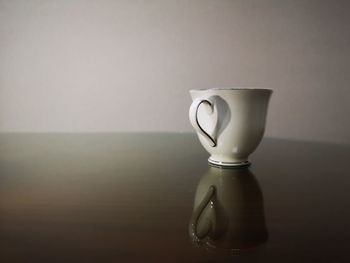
{"points": [[230, 122]]}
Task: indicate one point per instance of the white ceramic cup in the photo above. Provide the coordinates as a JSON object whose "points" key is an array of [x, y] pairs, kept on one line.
{"points": [[230, 122]]}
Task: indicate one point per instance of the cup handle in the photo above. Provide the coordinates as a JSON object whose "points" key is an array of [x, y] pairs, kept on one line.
{"points": [[193, 114], [196, 215]]}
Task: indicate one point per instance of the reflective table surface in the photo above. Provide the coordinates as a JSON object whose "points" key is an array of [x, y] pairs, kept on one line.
{"points": [[152, 197]]}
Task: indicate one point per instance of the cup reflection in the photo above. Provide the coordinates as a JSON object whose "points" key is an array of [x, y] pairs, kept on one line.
{"points": [[228, 210]]}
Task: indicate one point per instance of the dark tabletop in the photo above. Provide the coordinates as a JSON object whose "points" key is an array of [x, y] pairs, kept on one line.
{"points": [[130, 198]]}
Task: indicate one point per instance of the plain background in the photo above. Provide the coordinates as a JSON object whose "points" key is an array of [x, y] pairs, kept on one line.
{"points": [[87, 66]]}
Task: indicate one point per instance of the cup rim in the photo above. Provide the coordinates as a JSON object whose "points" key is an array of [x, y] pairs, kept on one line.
{"points": [[234, 88]]}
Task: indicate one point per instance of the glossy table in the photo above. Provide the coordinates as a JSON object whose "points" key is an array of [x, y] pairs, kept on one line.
{"points": [[131, 198]]}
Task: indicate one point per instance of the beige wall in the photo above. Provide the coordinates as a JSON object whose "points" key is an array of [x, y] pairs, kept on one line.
{"points": [[102, 65]]}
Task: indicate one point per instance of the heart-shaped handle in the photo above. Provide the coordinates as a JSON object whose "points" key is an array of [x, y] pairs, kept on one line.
{"points": [[193, 114]]}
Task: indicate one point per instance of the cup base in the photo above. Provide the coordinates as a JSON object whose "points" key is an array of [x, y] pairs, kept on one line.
{"points": [[229, 164]]}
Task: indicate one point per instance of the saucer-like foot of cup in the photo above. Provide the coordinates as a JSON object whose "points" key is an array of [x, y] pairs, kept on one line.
{"points": [[229, 164]]}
